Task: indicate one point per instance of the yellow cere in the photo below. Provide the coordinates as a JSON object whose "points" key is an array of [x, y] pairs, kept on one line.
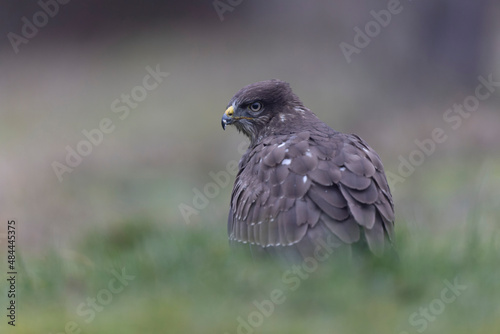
{"points": [[229, 111]]}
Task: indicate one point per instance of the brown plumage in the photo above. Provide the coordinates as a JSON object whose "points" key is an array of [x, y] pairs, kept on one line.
{"points": [[300, 180]]}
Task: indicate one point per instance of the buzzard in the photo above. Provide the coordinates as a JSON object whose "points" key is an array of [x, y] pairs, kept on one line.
{"points": [[300, 183]]}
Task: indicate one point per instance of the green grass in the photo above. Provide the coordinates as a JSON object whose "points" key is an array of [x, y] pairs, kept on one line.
{"points": [[187, 280]]}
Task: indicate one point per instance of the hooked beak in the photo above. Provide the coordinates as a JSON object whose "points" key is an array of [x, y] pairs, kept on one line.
{"points": [[227, 118]]}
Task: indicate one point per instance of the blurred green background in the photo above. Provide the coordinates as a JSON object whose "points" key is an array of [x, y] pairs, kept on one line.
{"points": [[119, 211]]}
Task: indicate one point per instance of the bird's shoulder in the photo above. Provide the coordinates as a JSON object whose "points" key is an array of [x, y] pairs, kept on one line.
{"points": [[308, 178]]}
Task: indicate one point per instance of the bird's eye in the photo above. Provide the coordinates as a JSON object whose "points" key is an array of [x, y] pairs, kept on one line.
{"points": [[256, 106]]}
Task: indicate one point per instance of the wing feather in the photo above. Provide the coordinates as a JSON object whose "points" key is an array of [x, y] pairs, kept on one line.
{"points": [[293, 189]]}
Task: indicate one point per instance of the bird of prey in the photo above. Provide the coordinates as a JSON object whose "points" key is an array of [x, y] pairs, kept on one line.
{"points": [[301, 183]]}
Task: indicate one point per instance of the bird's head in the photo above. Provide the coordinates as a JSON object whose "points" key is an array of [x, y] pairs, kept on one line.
{"points": [[255, 106]]}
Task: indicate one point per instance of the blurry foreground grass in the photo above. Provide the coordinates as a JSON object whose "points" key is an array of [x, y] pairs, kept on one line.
{"points": [[186, 280]]}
